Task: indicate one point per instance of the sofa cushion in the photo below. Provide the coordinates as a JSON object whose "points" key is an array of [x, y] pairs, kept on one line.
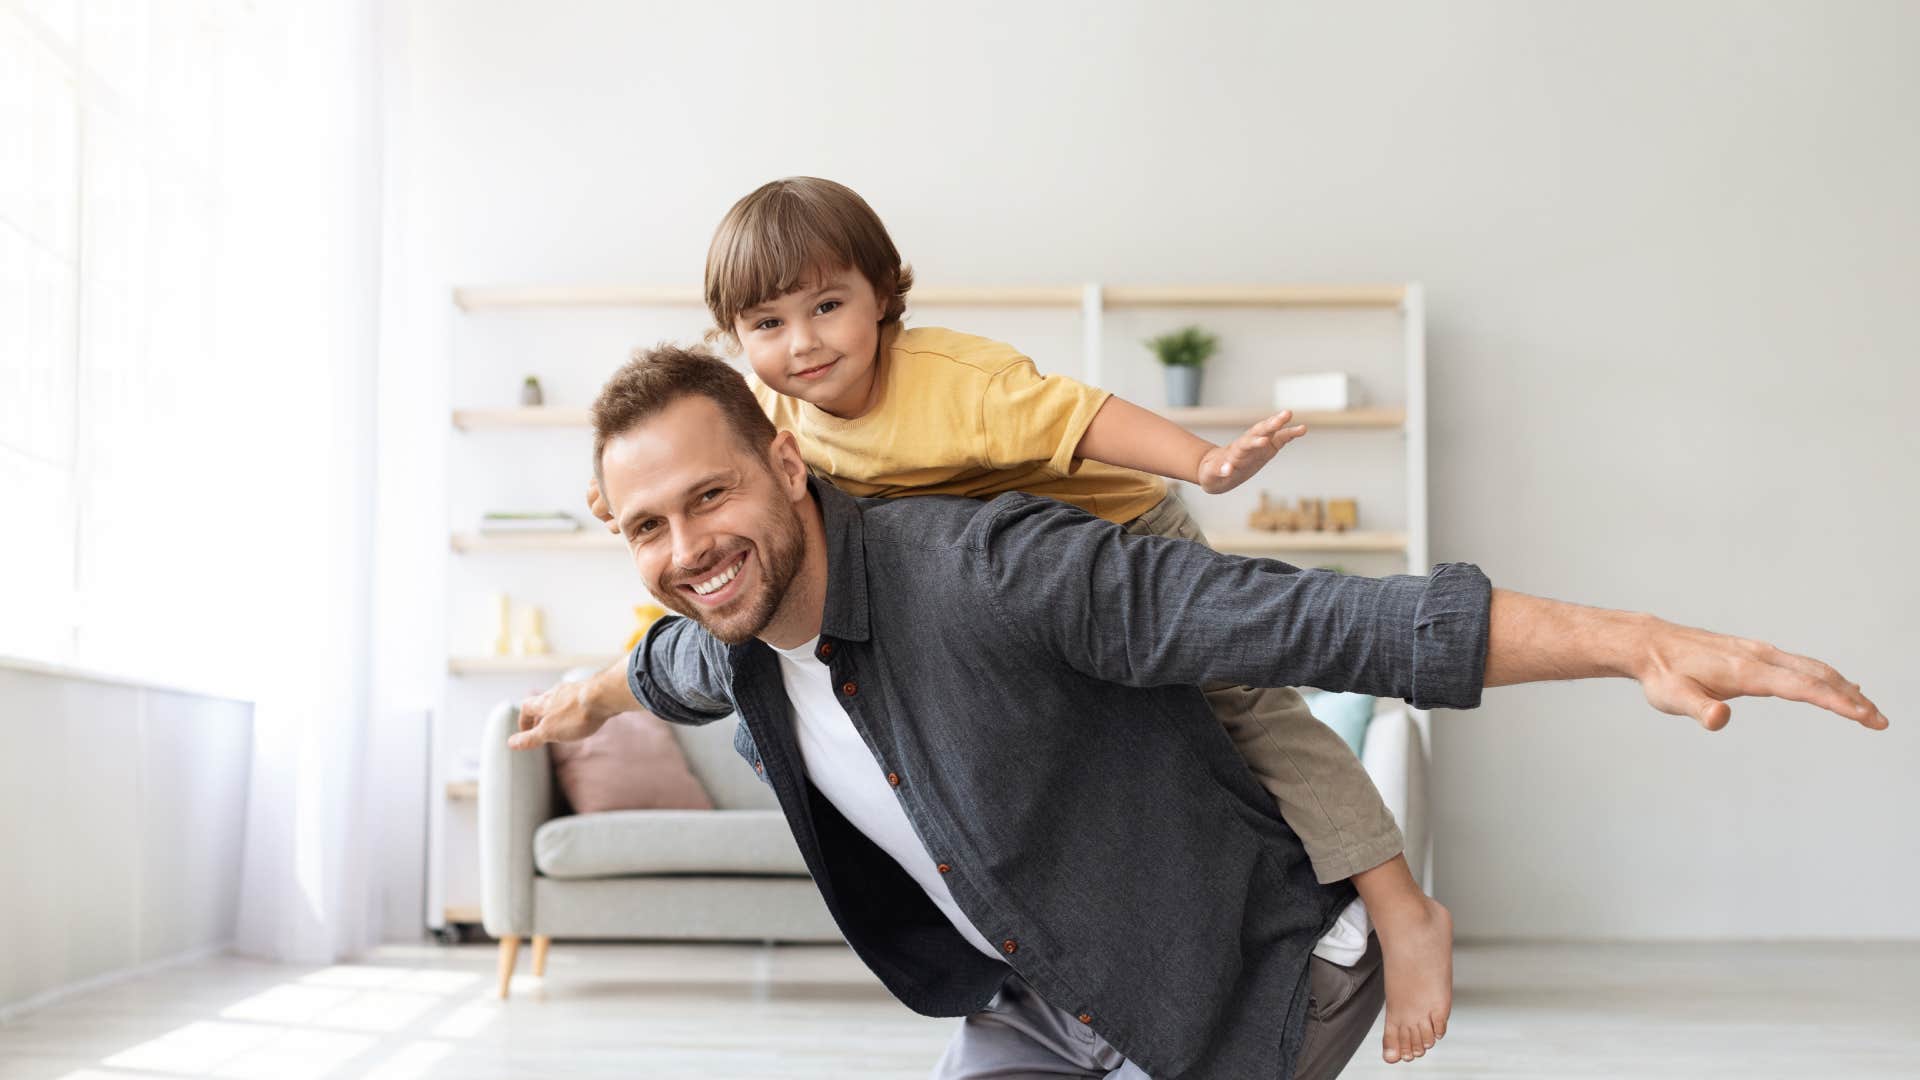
{"points": [[624, 842], [632, 763]]}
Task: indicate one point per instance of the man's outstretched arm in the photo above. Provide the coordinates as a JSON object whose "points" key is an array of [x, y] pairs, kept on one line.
{"points": [[1682, 670]]}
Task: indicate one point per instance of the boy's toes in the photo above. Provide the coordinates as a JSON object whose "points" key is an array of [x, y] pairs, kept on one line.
{"points": [[1423, 1037], [1390, 1045], [1440, 1026]]}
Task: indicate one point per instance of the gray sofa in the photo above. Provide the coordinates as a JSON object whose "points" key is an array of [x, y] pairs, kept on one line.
{"points": [[734, 872], [728, 874]]}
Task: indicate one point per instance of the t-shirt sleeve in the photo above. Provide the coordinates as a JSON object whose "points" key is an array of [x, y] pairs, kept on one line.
{"points": [[1032, 419]]}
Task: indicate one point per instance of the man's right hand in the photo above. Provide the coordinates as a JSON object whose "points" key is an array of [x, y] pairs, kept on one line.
{"points": [[597, 503], [573, 710]]}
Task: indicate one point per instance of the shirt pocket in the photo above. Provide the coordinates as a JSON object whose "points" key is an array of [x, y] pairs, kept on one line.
{"points": [[744, 746]]}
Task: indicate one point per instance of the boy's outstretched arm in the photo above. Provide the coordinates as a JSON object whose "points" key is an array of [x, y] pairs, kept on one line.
{"points": [[1131, 437]]}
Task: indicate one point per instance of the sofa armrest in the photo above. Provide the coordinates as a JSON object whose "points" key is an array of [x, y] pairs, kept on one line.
{"points": [[516, 798]]}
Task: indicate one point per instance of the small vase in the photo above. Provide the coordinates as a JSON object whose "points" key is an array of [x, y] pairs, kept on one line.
{"points": [[530, 393], [1183, 386]]}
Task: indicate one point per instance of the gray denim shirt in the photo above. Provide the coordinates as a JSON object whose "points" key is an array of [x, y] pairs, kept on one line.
{"points": [[1024, 674]]}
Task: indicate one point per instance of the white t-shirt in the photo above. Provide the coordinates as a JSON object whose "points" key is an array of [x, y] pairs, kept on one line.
{"points": [[843, 768], [840, 764]]}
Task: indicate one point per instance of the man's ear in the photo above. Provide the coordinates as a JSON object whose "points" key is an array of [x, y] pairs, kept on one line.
{"points": [[788, 467]]}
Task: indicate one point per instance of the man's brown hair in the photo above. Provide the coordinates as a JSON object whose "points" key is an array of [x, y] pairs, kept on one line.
{"points": [[657, 377], [789, 231]]}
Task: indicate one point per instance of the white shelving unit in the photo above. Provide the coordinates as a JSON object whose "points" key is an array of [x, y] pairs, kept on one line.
{"points": [[1096, 308]]}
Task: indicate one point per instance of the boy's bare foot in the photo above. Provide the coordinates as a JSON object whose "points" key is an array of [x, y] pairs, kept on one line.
{"points": [[1416, 945]]}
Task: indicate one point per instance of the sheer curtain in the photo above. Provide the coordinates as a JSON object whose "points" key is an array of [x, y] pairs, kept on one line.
{"points": [[189, 323]]}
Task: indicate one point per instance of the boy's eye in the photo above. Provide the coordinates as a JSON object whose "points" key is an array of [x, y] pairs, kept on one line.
{"points": [[826, 306], [766, 324]]}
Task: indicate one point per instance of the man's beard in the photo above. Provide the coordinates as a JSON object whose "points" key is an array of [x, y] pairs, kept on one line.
{"points": [[780, 557]]}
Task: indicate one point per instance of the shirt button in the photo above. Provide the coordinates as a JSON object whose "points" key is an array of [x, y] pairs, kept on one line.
{"points": [[759, 768], [849, 688], [1010, 946], [893, 778], [944, 868], [1086, 1018], [826, 649]]}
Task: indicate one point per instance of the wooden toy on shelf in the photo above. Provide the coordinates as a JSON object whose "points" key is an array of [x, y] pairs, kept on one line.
{"points": [[1308, 515], [1342, 515], [503, 625]]}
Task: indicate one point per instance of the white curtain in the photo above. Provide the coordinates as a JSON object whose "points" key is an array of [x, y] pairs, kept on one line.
{"points": [[303, 265]]}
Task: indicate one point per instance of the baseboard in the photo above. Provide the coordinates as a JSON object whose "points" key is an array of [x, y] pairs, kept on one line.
{"points": [[9, 1013]]}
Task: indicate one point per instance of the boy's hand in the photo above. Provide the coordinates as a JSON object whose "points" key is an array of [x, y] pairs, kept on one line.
{"points": [[1224, 468], [597, 503]]}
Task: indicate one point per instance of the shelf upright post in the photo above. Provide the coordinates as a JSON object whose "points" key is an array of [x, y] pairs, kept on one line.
{"points": [[1414, 327], [1092, 306]]}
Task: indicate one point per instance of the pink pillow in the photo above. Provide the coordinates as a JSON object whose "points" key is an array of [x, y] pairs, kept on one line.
{"points": [[632, 763]]}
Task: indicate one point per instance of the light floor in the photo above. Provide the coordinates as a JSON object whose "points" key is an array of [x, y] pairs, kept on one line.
{"points": [[1802, 1011]]}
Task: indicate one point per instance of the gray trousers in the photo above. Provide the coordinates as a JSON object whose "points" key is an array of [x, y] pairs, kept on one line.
{"points": [[1019, 1037]]}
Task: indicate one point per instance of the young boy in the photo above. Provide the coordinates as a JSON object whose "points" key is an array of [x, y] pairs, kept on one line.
{"points": [[803, 276]]}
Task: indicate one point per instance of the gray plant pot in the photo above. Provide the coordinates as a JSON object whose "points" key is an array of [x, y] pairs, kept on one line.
{"points": [[1183, 386]]}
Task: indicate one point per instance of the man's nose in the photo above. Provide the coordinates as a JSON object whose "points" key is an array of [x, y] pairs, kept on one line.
{"points": [[692, 547]]}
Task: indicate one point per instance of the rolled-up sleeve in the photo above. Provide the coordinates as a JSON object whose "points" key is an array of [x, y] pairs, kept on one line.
{"points": [[1158, 611], [680, 673]]}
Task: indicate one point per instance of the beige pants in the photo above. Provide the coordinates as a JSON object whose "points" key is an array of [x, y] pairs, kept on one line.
{"points": [[1323, 792]]}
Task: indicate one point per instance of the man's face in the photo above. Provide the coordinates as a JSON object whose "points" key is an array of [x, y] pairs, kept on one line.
{"points": [[714, 532]]}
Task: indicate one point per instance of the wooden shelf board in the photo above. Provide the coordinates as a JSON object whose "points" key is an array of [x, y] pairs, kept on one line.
{"points": [[515, 665], [463, 790], [1270, 543], [1207, 416], [591, 537], [1065, 296], [1334, 296], [535, 416]]}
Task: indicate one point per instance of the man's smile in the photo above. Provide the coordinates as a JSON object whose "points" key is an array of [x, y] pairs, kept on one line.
{"points": [[720, 586]]}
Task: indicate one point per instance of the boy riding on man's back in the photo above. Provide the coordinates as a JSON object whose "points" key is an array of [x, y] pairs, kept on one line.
{"points": [[803, 277]]}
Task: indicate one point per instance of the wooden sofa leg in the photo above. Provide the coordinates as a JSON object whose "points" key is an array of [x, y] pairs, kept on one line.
{"points": [[509, 952], [540, 943]]}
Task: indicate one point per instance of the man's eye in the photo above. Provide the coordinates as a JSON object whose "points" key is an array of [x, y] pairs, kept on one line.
{"points": [[826, 306], [644, 527], [710, 494]]}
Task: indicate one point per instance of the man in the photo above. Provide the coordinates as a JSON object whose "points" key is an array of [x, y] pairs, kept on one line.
{"points": [[982, 724]]}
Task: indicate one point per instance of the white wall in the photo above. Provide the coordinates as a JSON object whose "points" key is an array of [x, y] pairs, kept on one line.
{"points": [[124, 811], [1670, 252]]}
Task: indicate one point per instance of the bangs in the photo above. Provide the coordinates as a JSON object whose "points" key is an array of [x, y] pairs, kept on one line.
{"points": [[776, 248]]}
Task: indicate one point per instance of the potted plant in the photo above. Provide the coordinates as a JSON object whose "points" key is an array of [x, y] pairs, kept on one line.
{"points": [[1183, 351]]}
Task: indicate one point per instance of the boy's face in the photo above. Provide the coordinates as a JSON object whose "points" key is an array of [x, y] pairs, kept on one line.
{"points": [[817, 343]]}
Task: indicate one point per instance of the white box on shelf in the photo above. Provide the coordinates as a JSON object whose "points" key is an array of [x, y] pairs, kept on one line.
{"points": [[1329, 392]]}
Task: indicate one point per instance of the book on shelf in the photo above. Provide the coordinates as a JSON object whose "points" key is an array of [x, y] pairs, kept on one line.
{"points": [[505, 522]]}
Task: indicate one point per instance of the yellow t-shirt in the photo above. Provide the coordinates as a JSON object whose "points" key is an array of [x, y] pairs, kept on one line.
{"points": [[963, 415]]}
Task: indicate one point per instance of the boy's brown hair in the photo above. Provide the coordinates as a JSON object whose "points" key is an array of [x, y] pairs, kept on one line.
{"points": [[657, 377], [790, 230]]}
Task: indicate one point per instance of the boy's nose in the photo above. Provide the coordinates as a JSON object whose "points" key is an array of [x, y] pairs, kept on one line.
{"points": [[802, 342]]}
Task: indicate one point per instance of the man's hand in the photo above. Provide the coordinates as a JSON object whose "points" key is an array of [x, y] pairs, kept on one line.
{"points": [[1683, 671], [1689, 672], [1224, 468], [597, 503], [573, 710]]}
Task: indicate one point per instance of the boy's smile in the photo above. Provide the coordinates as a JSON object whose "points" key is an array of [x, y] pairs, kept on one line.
{"points": [[818, 343]]}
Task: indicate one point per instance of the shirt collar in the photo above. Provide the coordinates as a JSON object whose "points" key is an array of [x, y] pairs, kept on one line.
{"points": [[845, 615]]}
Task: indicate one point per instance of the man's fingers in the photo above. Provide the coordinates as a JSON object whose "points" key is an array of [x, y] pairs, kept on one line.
{"points": [[1857, 707], [528, 739]]}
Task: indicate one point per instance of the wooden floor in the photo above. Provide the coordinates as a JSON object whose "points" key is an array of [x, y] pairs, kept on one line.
{"points": [[1801, 1011]]}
